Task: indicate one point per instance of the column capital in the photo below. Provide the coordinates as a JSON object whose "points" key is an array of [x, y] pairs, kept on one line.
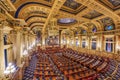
{"points": [[17, 28], [4, 26]]}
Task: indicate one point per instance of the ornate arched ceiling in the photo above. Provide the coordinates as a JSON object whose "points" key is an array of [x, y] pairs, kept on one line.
{"points": [[36, 19], [37, 27], [34, 22], [28, 10], [39, 12], [33, 25], [35, 16]]}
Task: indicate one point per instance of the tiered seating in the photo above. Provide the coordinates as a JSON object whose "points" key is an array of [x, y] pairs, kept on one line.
{"points": [[71, 69], [103, 66], [28, 74], [68, 64], [53, 49], [110, 69], [117, 75], [45, 70]]}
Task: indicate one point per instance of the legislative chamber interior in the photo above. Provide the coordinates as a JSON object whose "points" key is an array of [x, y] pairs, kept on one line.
{"points": [[59, 39]]}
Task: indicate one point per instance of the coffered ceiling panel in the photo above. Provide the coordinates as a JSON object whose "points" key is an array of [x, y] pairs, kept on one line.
{"points": [[72, 7], [92, 14], [72, 4], [112, 4]]}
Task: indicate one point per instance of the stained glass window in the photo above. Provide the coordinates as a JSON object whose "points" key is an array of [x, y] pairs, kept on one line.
{"points": [[110, 27], [94, 29]]}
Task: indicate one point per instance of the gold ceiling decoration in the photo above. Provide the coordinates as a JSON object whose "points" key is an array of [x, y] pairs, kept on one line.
{"points": [[39, 12]]}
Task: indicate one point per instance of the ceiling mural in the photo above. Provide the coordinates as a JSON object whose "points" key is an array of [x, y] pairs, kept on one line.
{"points": [[71, 12], [92, 14], [72, 7], [72, 4], [115, 2], [112, 4]]}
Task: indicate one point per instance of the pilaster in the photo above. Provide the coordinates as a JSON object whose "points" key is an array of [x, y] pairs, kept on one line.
{"points": [[18, 46], [2, 60]]}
